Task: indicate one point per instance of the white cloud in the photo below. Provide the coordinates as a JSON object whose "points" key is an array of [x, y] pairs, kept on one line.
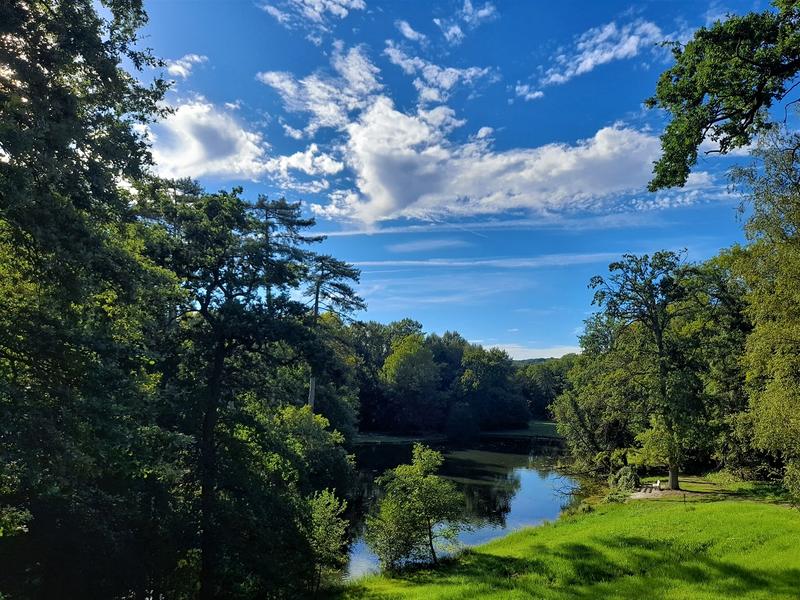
{"points": [[199, 139], [434, 83], [451, 31], [182, 67], [295, 134], [469, 16], [484, 132], [405, 166], [520, 352], [310, 162], [328, 100], [316, 14], [409, 32], [427, 245], [602, 45], [475, 16], [527, 93]]}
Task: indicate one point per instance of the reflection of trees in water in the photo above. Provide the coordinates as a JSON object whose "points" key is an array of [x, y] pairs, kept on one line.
{"points": [[488, 474], [490, 504]]}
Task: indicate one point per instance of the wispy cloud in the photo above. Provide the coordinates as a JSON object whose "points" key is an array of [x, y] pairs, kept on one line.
{"points": [[533, 262], [427, 245], [409, 32], [433, 82], [468, 17], [526, 92], [328, 99], [551, 221], [182, 67], [593, 48], [312, 14]]}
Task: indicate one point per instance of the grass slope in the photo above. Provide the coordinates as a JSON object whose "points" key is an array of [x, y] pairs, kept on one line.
{"points": [[642, 549]]}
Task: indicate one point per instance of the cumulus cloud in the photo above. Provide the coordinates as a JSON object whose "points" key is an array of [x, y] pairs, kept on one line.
{"points": [[602, 45], [406, 166], [199, 139], [182, 67], [311, 162], [468, 17], [328, 100], [315, 14], [409, 32], [433, 82]]}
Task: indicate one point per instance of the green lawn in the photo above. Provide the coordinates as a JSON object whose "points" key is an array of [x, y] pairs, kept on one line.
{"points": [[642, 549]]}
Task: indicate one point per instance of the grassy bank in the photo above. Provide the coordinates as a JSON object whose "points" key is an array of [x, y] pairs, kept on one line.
{"points": [[702, 548]]}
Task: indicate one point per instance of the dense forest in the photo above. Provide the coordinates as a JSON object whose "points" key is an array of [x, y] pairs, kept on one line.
{"points": [[182, 375]]}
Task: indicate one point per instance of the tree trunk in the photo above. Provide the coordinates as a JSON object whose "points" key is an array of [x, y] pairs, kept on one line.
{"points": [[208, 467], [312, 382], [673, 477], [312, 391], [430, 542]]}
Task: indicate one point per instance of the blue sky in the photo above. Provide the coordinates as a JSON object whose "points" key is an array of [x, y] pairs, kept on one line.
{"points": [[479, 161]]}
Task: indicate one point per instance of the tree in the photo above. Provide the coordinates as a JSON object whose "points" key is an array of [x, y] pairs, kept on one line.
{"points": [[722, 84], [488, 385], [237, 321], [770, 265], [605, 404], [418, 509], [649, 292], [330, 289], [81, 453], [67, 134], [413, 378], [543, 382], [328, 534]]}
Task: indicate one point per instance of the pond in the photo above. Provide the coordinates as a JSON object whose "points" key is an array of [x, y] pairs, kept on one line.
{"points": [[508, 483]]}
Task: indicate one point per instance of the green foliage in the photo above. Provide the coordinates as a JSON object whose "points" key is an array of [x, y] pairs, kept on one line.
{"points": [[327, 536], [722, 84], [488, 385], [626, 479], [412, 378], [791, 479], [770, 265], [419, 509], [543, 382]]}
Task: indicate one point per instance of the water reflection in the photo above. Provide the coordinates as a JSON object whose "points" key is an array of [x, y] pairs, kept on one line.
{"points": [[507, 484]]}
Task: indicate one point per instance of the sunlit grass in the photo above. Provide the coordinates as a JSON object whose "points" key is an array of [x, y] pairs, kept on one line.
{"points": [[642, 549]]}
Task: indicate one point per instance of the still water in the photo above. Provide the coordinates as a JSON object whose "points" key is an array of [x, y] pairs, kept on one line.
{"points": [[507, 483]]}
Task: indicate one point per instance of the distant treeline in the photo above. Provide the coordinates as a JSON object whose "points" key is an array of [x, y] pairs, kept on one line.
{"points": [[406, 381]]}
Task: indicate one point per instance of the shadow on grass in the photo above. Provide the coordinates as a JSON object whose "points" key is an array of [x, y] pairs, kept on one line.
{"points": [[577, 571]]}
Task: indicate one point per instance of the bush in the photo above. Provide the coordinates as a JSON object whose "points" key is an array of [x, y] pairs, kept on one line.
{"points": [[791, 479], [419, 509], [626, 479]]}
